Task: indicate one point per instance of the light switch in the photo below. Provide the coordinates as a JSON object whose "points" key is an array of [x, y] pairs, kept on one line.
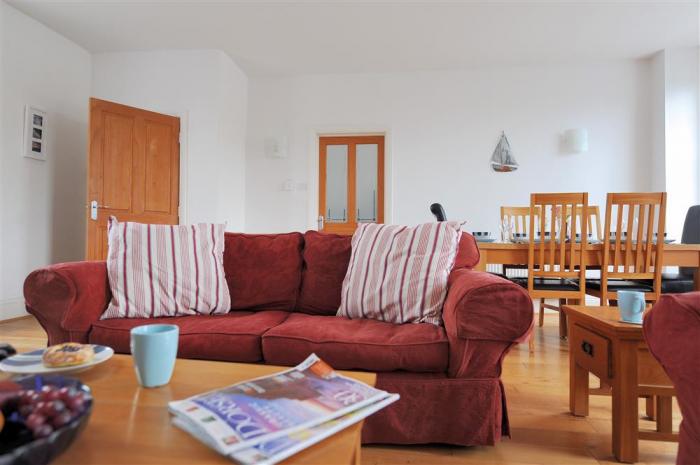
{"points": [[288, 185]]}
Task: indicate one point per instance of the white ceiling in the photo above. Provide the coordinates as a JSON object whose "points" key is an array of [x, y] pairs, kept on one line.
{"points": [[297, 37]]}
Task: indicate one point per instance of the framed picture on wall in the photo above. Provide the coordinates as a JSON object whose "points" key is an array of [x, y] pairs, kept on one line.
{"points": [[35, 123]]}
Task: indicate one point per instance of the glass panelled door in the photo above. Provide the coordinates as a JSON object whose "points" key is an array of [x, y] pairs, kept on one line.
{"points": [[336, 184], [351, 182]]}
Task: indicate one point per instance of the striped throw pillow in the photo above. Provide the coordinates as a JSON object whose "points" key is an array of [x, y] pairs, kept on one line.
{"points": [[165, 270], [399, 274]]}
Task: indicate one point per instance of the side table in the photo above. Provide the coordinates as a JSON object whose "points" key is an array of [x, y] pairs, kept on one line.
{"points": [[615, 352]]}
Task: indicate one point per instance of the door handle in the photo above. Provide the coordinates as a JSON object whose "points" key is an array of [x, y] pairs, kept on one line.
{"points": [[93, 209], [320, 222]]}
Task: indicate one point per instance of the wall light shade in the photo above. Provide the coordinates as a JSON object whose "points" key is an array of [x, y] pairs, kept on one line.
{"points": [[576, 140]]}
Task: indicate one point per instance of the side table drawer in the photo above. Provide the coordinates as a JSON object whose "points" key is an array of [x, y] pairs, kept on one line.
{"points": [[591, 351]]}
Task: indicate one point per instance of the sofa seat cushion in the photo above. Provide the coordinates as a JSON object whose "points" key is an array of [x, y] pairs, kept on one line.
{"points": [[357, 344], [234, 337]]}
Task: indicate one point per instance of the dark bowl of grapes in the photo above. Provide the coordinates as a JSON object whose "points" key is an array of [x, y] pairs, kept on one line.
{"points": [[41, 416]]}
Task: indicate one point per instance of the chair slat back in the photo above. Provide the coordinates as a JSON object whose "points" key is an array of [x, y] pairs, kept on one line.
{"points": [[553, 250], [518, 217], [634, 248], [593, 217]]}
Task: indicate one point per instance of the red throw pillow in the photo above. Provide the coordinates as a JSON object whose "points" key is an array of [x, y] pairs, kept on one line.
{"points": [[467, 253], [399, 274], [326, 258], [263, 270], [165, 270]]}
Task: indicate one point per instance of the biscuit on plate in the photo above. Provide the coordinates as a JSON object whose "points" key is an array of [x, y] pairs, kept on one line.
{"points": [[68, 354]]}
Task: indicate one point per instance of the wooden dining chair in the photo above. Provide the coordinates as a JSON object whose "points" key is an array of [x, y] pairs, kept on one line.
{"points": [[593, 217], [556, 267], [632, 257], [519, 219]]}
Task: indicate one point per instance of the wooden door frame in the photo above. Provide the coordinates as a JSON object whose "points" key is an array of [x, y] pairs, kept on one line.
{"points": [[351, 141], [184, 211], [314, 137]]}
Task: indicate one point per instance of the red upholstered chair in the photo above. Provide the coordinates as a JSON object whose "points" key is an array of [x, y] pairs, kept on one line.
{"points": [[671, 329]]}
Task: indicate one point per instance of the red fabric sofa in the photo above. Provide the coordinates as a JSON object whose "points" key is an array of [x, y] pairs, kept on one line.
{"points": [[671, 330], [285, 290]]}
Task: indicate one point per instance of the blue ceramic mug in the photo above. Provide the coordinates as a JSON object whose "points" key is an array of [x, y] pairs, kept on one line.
{"points": [[632, 305], [154, 348]]}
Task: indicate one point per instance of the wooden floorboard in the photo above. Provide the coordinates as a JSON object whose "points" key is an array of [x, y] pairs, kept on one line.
{"points": [[536, 386]]}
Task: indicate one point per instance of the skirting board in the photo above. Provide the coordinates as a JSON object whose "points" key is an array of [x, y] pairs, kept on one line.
{"points": [[12, 308]]}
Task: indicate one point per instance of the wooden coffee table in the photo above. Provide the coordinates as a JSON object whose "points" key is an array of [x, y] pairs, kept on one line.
{"points": [[615, 352], [131, 425]]}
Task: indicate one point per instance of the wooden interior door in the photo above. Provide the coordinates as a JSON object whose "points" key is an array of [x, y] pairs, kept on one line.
{"points": [[351, 182], [133, 170]]}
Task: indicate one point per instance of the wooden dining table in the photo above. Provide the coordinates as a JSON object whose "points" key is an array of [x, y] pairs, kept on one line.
{"points": [[509, 253]]}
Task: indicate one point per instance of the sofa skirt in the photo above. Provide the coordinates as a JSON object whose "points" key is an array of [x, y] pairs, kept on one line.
{"points": [[437, 409]]}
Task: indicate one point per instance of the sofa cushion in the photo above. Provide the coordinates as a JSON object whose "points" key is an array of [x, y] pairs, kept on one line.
{"points": [[357, 344], [468, 255], [158, 270], [399, 274], [263, 271], [234, 337], [326, 258]]}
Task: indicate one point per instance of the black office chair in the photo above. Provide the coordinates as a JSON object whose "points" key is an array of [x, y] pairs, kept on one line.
{"points": [[682, 281], [439, 212]]}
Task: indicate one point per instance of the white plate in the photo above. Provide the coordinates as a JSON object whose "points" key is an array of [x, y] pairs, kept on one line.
{"points": [[31, 363]]}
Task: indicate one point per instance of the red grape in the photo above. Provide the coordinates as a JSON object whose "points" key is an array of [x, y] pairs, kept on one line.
{"points": [[75, 404], [66, 393], [42, 407], [35, 420], [42, 431], [28, 397], [55, 407], [52, 395], [61, 419], [26, 410], [45, 392], [46, 410]]}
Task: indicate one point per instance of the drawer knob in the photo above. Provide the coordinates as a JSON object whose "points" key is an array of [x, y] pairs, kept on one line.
{"points": [[587, 348]]}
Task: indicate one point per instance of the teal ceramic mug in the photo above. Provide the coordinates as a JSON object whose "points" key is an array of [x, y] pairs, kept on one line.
{"points": [[632, 305], [154, 349]]}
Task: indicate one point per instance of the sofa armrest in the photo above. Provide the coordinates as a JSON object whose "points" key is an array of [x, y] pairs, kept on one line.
{"points": [[68, 298], [484, 316]]}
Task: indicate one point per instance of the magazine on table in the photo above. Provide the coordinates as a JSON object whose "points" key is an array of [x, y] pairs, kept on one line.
{"points": [[303, 399], [275, 450]]}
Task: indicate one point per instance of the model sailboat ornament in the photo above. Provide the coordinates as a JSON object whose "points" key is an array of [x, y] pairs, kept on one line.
{"points": [[502, 159]]}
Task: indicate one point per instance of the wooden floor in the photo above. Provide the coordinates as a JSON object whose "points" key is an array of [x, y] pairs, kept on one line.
{"points": [[542, 430]]}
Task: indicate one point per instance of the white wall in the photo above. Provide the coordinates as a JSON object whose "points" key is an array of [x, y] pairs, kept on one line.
{"points": [[209, 92], [42, 204], [658, 121], [676, 131], [682, 138], [442, 128]]}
